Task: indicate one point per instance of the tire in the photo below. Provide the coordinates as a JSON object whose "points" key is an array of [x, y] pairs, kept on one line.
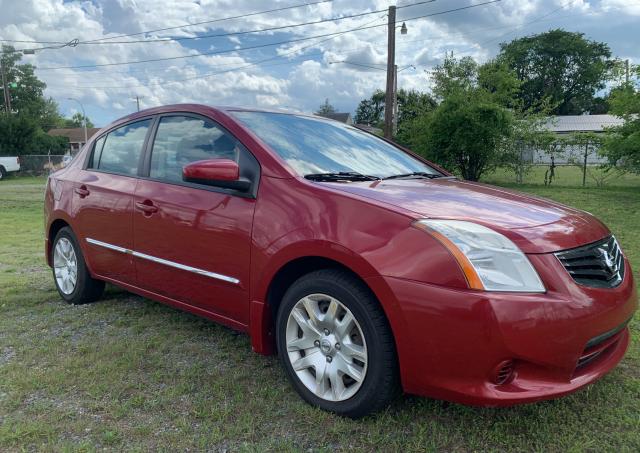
{"points": [[367, 350], [65, 256], [3, 172]]}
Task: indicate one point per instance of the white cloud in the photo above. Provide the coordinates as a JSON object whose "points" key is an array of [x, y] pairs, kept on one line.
{"points": [[297, 75], [622, 6]]}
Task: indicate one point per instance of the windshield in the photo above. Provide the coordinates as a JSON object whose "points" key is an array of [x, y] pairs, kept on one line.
{"points": [[314, 145]]}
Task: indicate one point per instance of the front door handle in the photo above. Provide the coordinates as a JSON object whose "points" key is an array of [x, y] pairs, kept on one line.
{"points": [[146, 207], [82, 191]]}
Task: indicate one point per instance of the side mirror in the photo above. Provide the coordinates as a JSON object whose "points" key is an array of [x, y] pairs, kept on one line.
{"points": [[216, 172]]}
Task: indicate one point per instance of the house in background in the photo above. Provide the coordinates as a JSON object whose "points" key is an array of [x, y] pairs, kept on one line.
{"points": [[337, 116], [75, 136], [570, 124]]}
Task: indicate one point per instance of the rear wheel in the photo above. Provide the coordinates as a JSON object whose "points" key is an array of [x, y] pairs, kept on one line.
{"points": [[70, 273], [336, 344], [3, 172]]}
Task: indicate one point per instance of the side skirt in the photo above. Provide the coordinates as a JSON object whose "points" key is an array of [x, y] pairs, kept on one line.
{"points": [[179, 305]]}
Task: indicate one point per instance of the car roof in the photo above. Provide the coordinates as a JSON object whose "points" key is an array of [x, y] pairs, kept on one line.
{"points": [[201, 108]]}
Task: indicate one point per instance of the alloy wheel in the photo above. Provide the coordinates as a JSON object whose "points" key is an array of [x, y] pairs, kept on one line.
{"points": [[65, 264], [326, 347]]}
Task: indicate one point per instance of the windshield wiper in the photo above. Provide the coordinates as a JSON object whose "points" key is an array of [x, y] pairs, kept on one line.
{"points": [[421, 174], [341, 176]]}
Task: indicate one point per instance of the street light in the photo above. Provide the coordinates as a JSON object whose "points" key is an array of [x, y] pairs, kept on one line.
{"points": [[390, 94], [84, 118]]}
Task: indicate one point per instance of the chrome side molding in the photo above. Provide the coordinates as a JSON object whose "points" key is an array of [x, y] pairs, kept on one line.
{"points": [[173, 264]]}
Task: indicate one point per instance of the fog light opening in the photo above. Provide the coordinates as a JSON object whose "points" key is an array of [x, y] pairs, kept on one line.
{"points": [[503, 373]]}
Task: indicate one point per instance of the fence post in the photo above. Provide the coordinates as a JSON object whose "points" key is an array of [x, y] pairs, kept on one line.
{"points": [[584, 166]]}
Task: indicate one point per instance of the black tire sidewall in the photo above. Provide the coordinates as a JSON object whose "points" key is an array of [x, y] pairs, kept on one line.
{"points": [[83, 274], [352, 297], [3, 172]]}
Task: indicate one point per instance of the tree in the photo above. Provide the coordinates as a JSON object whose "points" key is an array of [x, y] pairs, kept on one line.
{"points": [[586, 144], [77, 120], [411, 104], [562, 67], [326, 108], [469, 130], [371, 111], [528, 135], [27, 97], [17, 133], [622, 145]]}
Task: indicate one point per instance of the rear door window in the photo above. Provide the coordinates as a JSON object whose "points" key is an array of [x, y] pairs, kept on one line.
{"points": [[122, 149]]}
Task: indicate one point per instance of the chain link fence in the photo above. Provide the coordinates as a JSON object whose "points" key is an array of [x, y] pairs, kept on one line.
{"points": [[42, 164]]}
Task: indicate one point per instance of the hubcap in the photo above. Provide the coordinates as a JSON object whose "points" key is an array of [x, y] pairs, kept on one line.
{"points": [[65, 265], [326, 347]]}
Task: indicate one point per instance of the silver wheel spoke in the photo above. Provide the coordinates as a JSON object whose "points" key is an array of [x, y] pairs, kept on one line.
{"points": [[304, 323], [353, 351], [331, 316], [308, 361], [300, 344], [343, 327], [349, 369], [337, 384], [321, 380], [311, 307]]}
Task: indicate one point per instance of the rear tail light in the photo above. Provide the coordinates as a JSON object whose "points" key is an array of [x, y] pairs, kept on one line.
{"points": [[503, 372], [18, 160]]}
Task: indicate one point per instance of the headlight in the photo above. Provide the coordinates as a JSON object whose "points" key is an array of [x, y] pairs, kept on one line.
{"points": [[489, 260]]}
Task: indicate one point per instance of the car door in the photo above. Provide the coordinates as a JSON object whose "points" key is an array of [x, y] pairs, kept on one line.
{"points": [[193, 241], [103, 200]]}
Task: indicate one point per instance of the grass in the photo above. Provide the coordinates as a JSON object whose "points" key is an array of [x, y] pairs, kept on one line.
{"points": [[567, 176], [130, 374]]}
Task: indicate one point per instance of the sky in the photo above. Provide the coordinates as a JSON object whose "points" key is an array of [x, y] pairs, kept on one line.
{"points": [[339, 60]]}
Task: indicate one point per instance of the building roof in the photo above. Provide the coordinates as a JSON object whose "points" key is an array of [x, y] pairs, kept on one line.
{"points": [[368, 128], [74, 134], [582, 123], [342, 117]]}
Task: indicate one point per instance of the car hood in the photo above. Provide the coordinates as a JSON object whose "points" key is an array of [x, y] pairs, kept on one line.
{"points": [[536, 225]]}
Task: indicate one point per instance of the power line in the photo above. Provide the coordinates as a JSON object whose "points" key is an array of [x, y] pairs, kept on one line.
{"points": [[258, 46], [261, 63], [340, 51], [233, 33], [245, 32], [257, 63], [521, 26], [190, 24]]}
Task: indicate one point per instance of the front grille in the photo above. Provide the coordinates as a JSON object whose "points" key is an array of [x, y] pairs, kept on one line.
{"points": [[599, 265]]}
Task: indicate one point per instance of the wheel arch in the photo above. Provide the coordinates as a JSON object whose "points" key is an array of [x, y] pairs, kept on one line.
{"points": [[54, 227], [264, 309]]}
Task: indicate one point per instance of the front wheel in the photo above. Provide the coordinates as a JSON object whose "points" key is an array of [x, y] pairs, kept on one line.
{"points": [[336, 344], [70, 273]]}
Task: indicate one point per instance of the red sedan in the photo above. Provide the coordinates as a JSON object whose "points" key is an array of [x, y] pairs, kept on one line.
{"points": [[365, 267]]}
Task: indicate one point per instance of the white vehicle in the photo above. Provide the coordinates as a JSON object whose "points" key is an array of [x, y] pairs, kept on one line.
{"points": [[8, 164]]}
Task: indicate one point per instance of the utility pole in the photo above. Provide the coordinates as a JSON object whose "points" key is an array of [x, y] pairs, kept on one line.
{"points": [[5, 88], [84, 114], [395, 99], [626, 67], [391, 63], [138, 102]]}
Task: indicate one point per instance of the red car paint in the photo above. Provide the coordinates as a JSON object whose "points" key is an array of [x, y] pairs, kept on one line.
{"points": [[449, 338]]}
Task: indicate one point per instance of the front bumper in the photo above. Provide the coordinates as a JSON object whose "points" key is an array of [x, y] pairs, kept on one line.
{"points": [[449, 341]]}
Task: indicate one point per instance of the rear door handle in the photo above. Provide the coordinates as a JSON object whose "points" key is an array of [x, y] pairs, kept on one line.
{"points": [[82, 191], [146, 206]]}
